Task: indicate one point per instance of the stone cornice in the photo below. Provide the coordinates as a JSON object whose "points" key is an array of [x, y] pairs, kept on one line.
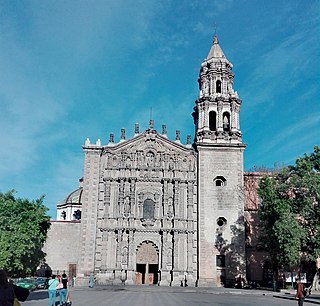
{"points": [[144, 179], [147, 230], [220, 145]]}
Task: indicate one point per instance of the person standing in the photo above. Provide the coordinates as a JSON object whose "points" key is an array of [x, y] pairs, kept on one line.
{"points": [[91, 281], [63, 290], [9, 291], [316, 280], [52, 289], [300, 293], [6, 291]]}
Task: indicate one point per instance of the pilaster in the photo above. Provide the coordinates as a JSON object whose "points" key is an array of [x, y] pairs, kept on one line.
{"points": [[89, 210]]}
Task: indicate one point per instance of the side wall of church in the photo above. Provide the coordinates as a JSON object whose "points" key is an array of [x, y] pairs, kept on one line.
{"points": [[62, 246], [258, 261]]}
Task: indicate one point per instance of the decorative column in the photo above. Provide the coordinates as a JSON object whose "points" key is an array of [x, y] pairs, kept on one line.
{"points": [[131, 263], [214, 84], [176, 281], [176, 197], [107, 192], [165, 203], [118, 248], [233, 120], [132, 196], [157, 205], [220, 122], [166, 259], [190, 276], [118, 269], [206, 115], [140, 205], [201, 117], [183, 202], [112, 256], [224, 85], [237, 116], [190, 204], [121, 198]]}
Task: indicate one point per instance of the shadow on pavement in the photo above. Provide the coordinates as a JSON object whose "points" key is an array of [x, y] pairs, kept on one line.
{"points": [[38, 295], [308, 299]]}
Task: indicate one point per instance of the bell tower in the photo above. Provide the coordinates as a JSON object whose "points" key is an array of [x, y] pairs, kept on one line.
{"points": [[218, 106], [218, 141]]}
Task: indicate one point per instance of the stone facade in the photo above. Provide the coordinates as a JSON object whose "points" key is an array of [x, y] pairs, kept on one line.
{"points": [[156, 211], [144, 197]]}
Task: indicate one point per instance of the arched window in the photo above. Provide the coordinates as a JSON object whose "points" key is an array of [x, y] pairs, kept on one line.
{"points": [[212, 121], [218, 86], [148, 209], [226, 121], [220, 181], [77, 214]]}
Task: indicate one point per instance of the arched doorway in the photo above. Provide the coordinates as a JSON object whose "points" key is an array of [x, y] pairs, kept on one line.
{"points": [[147, 263]]}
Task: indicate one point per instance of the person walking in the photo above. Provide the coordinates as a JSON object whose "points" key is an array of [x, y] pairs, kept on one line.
{"points": [[300, 292], [52, 289], [63, 290]]}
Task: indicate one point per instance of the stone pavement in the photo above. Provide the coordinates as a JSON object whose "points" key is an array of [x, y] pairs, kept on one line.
{"points": [[101, 295], [313, 298]]}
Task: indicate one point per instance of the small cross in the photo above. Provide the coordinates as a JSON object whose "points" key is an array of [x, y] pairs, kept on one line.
{"points": [[215, 26]]}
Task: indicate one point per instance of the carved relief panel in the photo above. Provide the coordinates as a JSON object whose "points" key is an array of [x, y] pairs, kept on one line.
{"points": [[147, 253]]}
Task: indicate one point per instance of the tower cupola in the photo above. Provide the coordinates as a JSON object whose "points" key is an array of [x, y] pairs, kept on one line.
{"points": [[218, 106]]}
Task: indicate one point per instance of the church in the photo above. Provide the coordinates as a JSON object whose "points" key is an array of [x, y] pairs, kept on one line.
{"points": [[150, 210]]}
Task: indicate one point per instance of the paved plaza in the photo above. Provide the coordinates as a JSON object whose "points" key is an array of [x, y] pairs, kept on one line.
{"points": [[167, 296]]}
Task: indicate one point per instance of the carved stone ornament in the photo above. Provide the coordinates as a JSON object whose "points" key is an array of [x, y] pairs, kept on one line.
{"points": [[150, 159], [147, 222]]}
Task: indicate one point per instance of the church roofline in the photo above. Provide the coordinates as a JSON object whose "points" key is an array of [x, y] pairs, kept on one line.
{"points": [[149, 131], [154, 133]]}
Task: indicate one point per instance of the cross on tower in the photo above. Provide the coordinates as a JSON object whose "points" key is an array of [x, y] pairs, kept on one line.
{"points": [[215, 26]]}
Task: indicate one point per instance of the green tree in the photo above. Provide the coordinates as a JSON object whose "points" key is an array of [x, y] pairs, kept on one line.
{"points": [[304, 185], [23, 230], [289, 213], [280, 230]]}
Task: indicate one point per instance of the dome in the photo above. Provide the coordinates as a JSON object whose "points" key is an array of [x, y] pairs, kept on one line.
{"points": [[70, 208], [74, 197]]}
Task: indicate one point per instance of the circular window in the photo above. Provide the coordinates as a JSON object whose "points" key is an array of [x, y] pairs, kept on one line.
{"points": [[221, 221]]}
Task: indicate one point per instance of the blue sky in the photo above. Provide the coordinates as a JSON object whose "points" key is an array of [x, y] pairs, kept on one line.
{"points": [[76, 69]]}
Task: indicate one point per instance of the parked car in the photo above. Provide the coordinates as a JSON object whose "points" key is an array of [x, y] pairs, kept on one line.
{"points": [[28, 283], [42, 283]]}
